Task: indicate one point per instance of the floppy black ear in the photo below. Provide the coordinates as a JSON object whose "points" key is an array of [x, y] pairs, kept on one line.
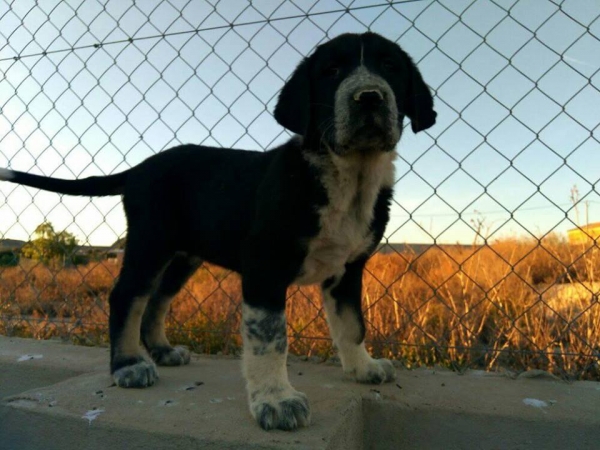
{"points": [[293, 106], [419, 102]]}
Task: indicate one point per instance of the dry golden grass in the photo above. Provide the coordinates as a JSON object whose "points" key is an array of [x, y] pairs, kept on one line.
{"points": [[482, 307]]}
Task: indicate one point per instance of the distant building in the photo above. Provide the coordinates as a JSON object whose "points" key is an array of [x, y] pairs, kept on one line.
{"points": [[417, 249], [11, 244], [584, 234], [115, 256]]}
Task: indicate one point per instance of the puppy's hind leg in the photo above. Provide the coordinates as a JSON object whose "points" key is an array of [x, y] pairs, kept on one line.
{"points": [[139, 277], [179, 270]]}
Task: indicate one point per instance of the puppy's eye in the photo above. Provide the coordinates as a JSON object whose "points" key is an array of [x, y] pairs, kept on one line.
{"points": [[332, 70], [389, 64]]}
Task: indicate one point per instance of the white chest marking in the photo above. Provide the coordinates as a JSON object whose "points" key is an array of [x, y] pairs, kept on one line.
{"points": [[352, 184]]}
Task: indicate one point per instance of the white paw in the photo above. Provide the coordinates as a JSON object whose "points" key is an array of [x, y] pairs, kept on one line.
{"points": [[280, 408], [170, 356], [139, 375], [375, 371]]}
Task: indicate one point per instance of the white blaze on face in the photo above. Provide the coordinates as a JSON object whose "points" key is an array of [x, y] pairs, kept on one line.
{"points": [[362, 54]]}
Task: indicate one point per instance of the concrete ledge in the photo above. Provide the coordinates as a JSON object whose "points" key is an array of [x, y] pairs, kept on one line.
{"points": [[203, 405]]}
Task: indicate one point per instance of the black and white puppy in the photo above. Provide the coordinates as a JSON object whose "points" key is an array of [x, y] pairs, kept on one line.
{"points": [[309, 211]]}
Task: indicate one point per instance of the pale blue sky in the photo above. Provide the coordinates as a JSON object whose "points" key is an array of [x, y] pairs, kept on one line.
{"points": [[88, 111]]}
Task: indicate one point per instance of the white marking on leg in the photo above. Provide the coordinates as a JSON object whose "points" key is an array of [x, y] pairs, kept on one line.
{"points": [[345, 331], [274, 403], [265, 348]]}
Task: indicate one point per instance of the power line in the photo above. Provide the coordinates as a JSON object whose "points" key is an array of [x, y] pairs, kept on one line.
{"points": [[483, 213], [200, 30]]}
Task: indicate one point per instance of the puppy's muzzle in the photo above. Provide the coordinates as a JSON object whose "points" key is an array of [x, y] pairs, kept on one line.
{"points": [[368, 98], [366, 115]]}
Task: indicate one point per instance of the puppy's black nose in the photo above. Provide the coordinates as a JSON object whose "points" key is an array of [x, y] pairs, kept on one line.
{"points": [[369, 98]]}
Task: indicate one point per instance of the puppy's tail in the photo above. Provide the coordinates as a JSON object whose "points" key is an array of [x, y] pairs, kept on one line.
{"points": [[91, 186]]}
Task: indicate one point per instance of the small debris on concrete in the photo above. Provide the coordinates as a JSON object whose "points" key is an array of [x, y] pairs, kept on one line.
{"points": [[535, 402], [52, 403], [29, 357], [216, 400], [166, 403], [191, 387], [300, 373], [398, 386], [92, 414], [35, 398], [376, 394], [443, 384]]}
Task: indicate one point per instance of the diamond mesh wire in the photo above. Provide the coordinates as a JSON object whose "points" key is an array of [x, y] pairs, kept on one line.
{"points": [[490, 259]]}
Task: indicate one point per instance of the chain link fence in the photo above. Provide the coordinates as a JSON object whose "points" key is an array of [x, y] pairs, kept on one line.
{"points": [[490, 259]]}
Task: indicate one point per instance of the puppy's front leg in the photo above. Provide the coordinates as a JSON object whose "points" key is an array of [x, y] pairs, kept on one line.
{"points": [[342, 300], [274, 403]]}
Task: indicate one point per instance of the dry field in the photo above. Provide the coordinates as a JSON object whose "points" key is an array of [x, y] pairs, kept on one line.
{"points": [[492, 307]]}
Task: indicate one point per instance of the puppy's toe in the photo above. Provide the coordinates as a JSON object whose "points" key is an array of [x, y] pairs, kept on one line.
{"points": [[284, 410], [139, 375], [170, 356], [376, 371]]}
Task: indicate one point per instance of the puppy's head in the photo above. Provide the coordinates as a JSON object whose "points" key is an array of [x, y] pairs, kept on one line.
{"points": [[352, 95]]}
